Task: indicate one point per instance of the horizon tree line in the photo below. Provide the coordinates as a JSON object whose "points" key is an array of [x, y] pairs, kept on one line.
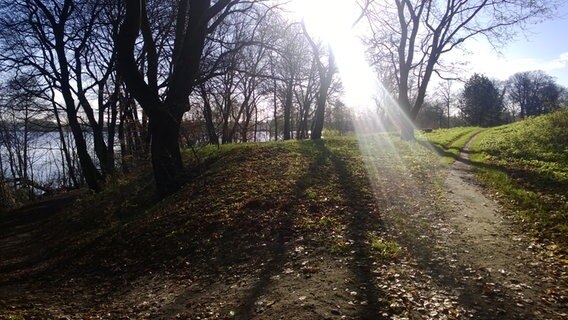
{"points": [[126, 81]]}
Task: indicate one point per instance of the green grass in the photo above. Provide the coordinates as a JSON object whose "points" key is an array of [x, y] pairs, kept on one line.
{"points": [[384, 248], [525, 164], [537, 145], [449, 142]]}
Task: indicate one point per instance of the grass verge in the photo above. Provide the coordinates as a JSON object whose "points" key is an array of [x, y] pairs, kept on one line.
{"points": [[449, 142], [525, 164]]}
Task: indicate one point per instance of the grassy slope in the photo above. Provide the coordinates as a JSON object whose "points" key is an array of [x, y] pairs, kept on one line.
{"points": [[244, 206], [242, 209], [526, 164], [239, 199]]}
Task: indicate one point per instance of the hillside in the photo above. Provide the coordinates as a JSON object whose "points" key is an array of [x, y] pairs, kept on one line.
{"points": [[302, 230], [525, 164]]}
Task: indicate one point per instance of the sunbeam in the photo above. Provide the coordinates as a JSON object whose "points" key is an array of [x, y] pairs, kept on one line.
{"points": [[332, 21], [376, 114]]}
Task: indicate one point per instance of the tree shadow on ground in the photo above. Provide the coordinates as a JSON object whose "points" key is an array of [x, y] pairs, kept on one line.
{"points": [[493, 302], [284, 234], [360, 222], [273, 258], [277, 242], [529, 179], [489, 303], [217, 247]]}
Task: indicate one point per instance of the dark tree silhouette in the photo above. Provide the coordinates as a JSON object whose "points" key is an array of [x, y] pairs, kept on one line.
{"points": [[166, 104], [534, 92], [482, 102]]}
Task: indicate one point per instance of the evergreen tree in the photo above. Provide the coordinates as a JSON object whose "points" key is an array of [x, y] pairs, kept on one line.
{"points": [[482, 102]]}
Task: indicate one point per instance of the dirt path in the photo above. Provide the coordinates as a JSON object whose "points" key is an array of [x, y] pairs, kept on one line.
{"points": [[518, 279], [478, 257]]}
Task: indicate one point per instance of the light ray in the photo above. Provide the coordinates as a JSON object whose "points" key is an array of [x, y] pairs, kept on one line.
{"points": [[376, 113]]}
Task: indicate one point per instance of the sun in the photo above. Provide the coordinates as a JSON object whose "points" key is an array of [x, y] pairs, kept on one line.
{"points": [[332, 21], [324, 19]]}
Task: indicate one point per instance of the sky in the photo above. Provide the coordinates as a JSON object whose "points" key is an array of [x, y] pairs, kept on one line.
{"points": [[543, 47]]}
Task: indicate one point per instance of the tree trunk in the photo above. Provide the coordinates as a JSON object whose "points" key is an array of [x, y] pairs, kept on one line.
{"points": [[64, 149], [90, 172], [288, 108], [406, 122], [321, 101], [225, 138], [208, 114], [326, 78], [449, 118], [210, 125], [166, 156], [111, 129], [122, 141], [407, 131], [275, 112]]}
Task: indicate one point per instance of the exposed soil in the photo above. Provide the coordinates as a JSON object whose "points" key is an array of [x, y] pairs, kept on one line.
{"points": [[458, 257], [469, 247]]}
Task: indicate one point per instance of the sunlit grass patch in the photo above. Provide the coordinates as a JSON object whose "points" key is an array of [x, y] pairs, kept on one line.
{"points": [[537, 144], [525, 164], [449, 142], [386, 249], [534, 189]]}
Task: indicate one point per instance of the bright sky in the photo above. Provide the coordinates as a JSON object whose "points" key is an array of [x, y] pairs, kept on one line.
{"points": [[332, 20], [543, 47]]}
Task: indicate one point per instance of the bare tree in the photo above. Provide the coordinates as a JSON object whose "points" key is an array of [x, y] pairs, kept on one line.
{"points": [[305, 93], [21, 133], [165, 105], [534, 92], [447, 97], [325, 78], [414, 35], [60, 43]]}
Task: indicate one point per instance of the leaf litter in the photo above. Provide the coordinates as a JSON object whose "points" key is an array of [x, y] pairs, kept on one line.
{"points": [[311, 240]]}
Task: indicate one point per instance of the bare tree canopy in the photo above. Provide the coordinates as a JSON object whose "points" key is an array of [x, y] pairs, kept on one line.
{"points": [[534, 92], [410, 37]]}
